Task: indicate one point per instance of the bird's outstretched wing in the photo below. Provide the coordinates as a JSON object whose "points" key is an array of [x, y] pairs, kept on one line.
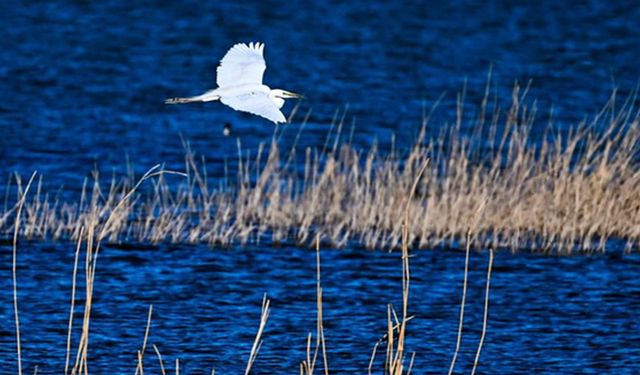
{"points": [[257, 103], [242, 64]]}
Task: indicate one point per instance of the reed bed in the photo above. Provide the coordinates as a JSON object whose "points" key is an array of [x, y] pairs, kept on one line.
{"points": [[396, 361], [508, 183]]}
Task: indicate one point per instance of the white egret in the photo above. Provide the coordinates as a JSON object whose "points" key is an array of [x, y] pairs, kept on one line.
{"points": [[240, 85]]}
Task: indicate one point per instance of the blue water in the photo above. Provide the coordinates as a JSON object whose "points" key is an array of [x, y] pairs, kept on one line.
{"points": [[547, 315], [83, 83], [82, 86]]}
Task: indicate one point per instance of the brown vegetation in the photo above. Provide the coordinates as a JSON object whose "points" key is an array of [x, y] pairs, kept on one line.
{"points": [[554, 193], [96, 232]]}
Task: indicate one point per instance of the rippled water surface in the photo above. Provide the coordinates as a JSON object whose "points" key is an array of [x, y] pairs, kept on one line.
{"points": [[83, 83], [547, 314], [82, 86]]}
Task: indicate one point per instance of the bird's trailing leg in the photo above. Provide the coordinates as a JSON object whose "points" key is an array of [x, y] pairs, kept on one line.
{"points": [[206, 97], [180, 100]]}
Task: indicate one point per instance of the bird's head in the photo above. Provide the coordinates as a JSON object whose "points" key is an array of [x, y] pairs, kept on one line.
{"points": [[278, 96], [283, 94]]}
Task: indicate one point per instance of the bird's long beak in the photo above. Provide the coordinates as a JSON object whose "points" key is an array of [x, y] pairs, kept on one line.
{"points": [[292, 95]]}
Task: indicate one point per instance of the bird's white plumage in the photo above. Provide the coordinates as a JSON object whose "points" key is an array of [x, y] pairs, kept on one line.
{"points": [[242, 64], [257, 102], [239, 79]]}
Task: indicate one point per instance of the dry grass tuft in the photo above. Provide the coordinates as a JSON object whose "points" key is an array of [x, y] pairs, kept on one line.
{"points": [[395, 336], [510, 187]]}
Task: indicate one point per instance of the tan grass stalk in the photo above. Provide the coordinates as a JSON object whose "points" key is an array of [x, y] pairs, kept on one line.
{"points": [[486, 313], [20, 205], [462, 303], [257, 343], [155, 348], [139, 368], [373, 357], [308, 366], [395, 356], [92, 251], [381, 340], [73, 300], [320, 313], [413, 356]]}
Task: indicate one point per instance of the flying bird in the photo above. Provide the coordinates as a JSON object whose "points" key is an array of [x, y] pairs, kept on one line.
{"points": [[240, 85]]}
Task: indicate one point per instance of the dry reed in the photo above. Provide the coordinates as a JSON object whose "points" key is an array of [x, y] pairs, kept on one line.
{"points": [[73, 301], [140, 367], [14, 264], [160, 361], [395, 336], [565, 193], [510, 187], [307, 366], [462, 305], [257, 343], [485, 318]]}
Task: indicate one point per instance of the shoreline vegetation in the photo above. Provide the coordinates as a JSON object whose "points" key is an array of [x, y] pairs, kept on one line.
{"points": [[505, 184], [562, 194], [397, 360]]}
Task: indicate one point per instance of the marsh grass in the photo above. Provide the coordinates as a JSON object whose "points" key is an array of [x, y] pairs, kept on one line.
{"points": [[508, 186], [307, 366], [564, 193], [395, 358]]}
